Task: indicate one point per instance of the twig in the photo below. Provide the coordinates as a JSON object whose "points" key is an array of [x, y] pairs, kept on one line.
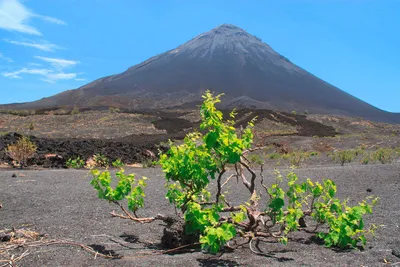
{"points": [[61, 242], [252, 250], [228, 179], [146, 254], [84, 247], [22, 255], [12, 261], [129, 216], [240, 173], [228, 209], [178, 248], [219, 184], [253, 177], [262, 180], [241, 244]]}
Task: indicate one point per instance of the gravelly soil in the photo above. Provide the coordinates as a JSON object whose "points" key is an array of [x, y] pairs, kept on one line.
{"points": [[62, 204], [89, 124]]}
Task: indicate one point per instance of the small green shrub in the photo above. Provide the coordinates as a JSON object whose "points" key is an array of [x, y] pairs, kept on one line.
{"points": [[294, 112], [22, 150], [114, 110], [366, 159], [359, 151], [343, 156], [60, 112], [117, 163], [31, 126], [101, 160], [149, 163], [384, 155], [256, 159], [75, 163], [21, 113], [274, 156], [296, 157], [75, 111]]}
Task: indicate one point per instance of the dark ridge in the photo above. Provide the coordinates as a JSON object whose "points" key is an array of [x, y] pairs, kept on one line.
{"points": [[131, 149]]}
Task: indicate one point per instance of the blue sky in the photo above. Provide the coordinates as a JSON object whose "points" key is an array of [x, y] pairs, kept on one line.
{"points": [[50, 46]]}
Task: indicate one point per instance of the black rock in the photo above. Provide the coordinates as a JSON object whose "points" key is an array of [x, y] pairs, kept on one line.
{"points": [[396, 252], [302, 222]]}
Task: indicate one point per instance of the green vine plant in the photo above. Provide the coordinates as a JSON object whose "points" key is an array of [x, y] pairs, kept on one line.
{"points": [[218, 154], [75, 163]]}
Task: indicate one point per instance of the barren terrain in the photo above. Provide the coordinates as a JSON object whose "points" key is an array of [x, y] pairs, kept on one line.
{"points": [[129, 136], [62, 205]]}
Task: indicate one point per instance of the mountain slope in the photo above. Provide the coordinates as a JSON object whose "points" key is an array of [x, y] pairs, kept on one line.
{"points": [[226, 59]]}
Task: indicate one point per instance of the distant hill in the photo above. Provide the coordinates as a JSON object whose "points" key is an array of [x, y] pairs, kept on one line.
{"points": [[226, 59]]}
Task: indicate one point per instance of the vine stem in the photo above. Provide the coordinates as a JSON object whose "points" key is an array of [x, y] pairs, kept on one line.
{"points": [[129, 216], [218, 194]]}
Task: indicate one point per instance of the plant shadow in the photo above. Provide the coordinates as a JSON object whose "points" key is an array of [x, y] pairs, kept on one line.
{"points": [[134, 239], [217, 263], [102, 249], [320, 242], [130, 238]]}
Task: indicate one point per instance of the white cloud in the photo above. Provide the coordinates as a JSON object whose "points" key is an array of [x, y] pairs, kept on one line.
{"points": [[55, 72], [16, 74], [80, 79], [42, 46], [14, 16], [53, 77], [47, 80], [47, 74], [58, 62], [34, 64], [50, 19], [5, 58], [61, 76]]}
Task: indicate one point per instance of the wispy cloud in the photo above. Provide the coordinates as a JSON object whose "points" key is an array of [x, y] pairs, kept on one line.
{"points": [[5, 58], [16, 74], [48, 75], [54, 77], [59, 63], [50, 19], [45, 46], [14, 16], [34, 64], [53, 73], [61, 76]]}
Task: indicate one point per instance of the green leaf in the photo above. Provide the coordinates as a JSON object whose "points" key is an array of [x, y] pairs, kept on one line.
{"points": [[229, 231], [238, 217], [277, 203], [211, 139]]}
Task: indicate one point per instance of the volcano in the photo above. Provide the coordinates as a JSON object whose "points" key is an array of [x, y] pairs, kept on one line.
{"points": [[226, 59]]}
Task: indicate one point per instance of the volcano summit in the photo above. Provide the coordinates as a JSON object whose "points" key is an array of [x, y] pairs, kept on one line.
{"points": [[226, 59]]}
